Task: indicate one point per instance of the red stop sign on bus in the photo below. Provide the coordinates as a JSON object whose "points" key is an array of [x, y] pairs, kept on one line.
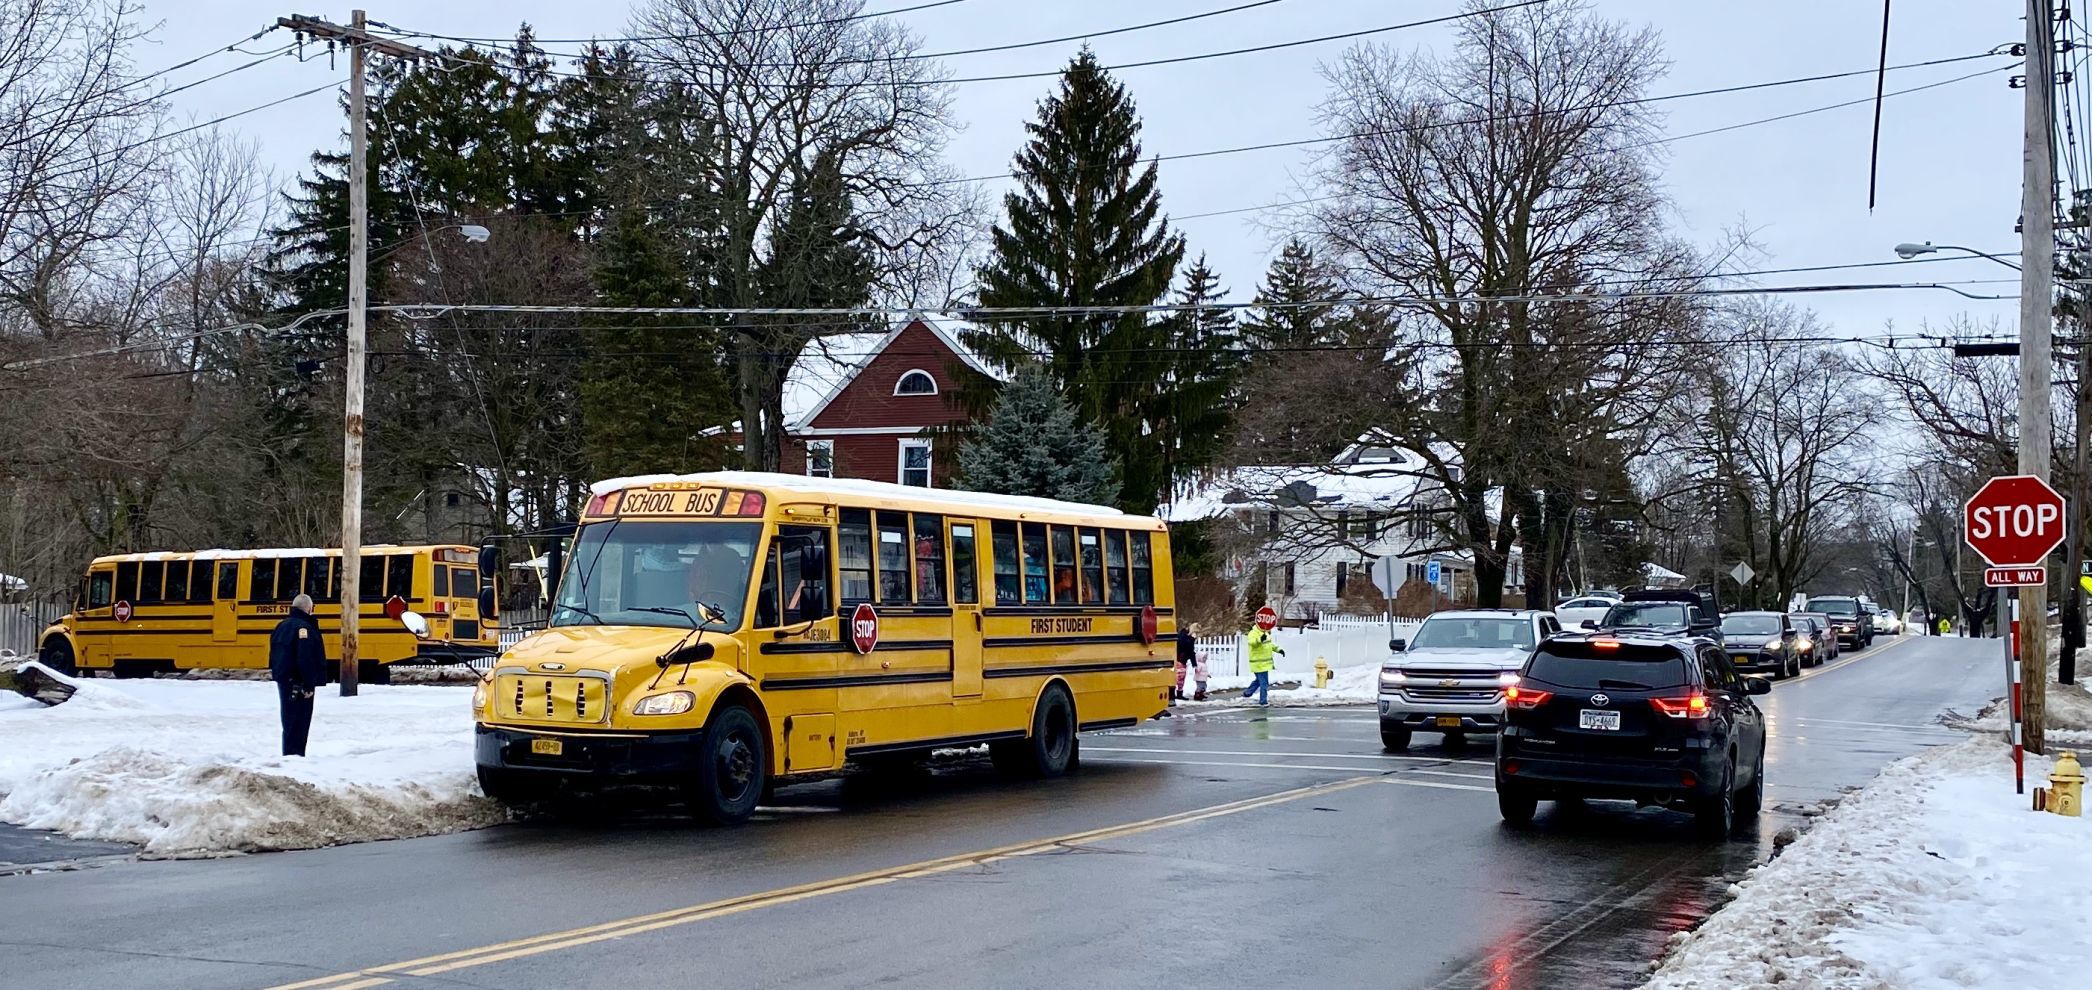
{"points": [[864, 628], [2013, 521]]}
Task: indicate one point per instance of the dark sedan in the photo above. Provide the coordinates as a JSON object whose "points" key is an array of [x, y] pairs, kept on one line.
{"points": [[1763, 642]]}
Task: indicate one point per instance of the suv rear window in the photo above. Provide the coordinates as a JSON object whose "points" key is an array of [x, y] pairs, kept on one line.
{"points": [[1647, 614], [1580, 664]]}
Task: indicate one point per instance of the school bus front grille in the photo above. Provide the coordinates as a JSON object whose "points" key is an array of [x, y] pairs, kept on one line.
{"points": [[555, 698]]}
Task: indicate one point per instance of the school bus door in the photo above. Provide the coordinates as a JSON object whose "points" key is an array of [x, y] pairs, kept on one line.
{"points": [[966, 609], [225, 621], [97, 617]]}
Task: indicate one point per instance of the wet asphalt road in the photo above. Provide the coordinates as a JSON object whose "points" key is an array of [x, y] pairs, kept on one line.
{"points": [[1274, 848]]}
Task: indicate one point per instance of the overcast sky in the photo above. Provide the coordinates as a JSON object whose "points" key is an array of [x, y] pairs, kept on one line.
{"points": [[1950, 156]]}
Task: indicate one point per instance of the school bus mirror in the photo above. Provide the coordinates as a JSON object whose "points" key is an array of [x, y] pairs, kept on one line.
{"points": [[489, 560], [694, 653], [486, 602], [415, 624]]}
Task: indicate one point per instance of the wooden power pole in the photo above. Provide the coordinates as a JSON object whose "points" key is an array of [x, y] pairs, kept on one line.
{"points": [[2037, 245], [359, 41]]}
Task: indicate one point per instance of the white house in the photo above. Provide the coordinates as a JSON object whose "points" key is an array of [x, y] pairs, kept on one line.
{"points": [[1372, 515]]}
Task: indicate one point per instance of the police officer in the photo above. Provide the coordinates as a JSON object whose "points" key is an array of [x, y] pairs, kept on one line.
{"points": [[298, 665]]}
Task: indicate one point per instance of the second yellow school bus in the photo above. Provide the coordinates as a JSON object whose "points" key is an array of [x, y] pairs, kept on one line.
{"points": [[718, 632]]}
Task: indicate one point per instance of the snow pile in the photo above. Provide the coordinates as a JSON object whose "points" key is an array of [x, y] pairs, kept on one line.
{"points": [[190, 768], [1347, 686], [1934, 875], [2069, 715]]}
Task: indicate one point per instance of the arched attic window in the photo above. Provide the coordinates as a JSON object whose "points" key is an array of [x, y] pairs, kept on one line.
{"points": [[916, 382]]}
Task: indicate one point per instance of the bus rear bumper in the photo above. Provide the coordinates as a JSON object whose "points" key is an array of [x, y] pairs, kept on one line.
{"points": [[667, 757]]}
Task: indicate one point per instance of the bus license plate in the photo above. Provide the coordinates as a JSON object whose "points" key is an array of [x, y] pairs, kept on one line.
{"points": [[546, 747], [1594, 719]]}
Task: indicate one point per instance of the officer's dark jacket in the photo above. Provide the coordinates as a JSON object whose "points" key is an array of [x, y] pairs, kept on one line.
{"points": [[295, 659]]}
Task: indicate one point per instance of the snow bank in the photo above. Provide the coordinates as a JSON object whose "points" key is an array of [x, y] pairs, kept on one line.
{"points": [[1934, 875], [1347, 686], [190, 768], [2068, 717]]}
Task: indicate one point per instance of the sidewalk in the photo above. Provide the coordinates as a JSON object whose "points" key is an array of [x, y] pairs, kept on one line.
{"points": [[1934, 875]]}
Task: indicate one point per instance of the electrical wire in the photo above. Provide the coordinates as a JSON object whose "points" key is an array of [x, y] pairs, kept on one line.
{"points": [[687, 37], [96, 159]]}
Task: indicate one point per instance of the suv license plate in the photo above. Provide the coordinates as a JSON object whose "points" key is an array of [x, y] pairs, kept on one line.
{"points": [[1591, 718]]}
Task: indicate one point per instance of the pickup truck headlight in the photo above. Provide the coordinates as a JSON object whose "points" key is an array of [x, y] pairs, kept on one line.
{"points": [[672, 703], [1392, 678]]}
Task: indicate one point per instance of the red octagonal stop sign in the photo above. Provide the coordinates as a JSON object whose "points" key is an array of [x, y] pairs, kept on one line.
{"points": [[2013, 521]]}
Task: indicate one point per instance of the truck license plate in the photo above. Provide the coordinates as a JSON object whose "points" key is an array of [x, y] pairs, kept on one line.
{"points": [[1448, 721], [1593, 719], [546, 747]]}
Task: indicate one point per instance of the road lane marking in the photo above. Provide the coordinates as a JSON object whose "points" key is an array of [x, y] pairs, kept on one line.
{"points": [[1878, 725], [1441, 785], [1258, 766], [1844, 662], [373, 976], [1448, 773], [1262, 752]]}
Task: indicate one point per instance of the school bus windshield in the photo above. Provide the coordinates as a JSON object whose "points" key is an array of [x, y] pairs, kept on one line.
{"points": [[621, 569]]}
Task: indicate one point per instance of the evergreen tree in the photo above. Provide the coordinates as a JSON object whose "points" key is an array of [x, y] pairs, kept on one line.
{"points": [[1294, 279], [1085, 229], [1034, 444], [1203, 361]]}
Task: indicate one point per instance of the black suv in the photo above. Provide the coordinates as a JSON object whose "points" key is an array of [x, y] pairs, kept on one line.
{"points": [[1855, 627], [1665, 612], [1659, 721]]}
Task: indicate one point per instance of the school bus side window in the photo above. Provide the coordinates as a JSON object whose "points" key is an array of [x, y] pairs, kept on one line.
{"points": [[442, 586], [464, 582], [929, 559], [1092, 567], [791, 593], [126, 581], [290, 577], [316, 577], [1005, 559], [228, 582], [854, 554], [1143, 570], [177, 589], [893, 558], [399, 576], [965, 567], [261, 584], [370, 579], [1115, 564], [1063, 566], [99, 588], [1035, 563], [200, 580]]}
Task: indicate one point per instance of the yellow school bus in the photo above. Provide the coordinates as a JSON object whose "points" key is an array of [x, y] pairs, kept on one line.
{"points": [[721, 632], [139, 614]]}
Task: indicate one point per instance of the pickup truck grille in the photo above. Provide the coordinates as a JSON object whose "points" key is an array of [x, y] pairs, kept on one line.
{"points": [[1473, 687], [1467, 696]]}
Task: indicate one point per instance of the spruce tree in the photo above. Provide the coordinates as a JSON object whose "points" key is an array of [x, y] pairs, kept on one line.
{"points": [[1201, 365], [1281, 319], [1085, 229], [1034, 444]]}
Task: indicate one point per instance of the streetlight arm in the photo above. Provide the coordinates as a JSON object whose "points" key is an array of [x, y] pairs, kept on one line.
{"points": [[1908, 250]]}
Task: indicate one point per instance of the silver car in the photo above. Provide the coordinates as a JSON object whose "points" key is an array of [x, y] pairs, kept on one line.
{"points": [[1450, 677]]}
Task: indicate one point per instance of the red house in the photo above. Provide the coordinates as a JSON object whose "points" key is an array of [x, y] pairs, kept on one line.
{"points": [[860, 405]]}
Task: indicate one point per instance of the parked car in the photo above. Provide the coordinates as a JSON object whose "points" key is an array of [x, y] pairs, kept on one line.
{"points": [[1886, 623], [1664, 611], [1763, 641], [1572, 614], [1450, 677], [1823, 640], [1655, 720], [1844, 612]]}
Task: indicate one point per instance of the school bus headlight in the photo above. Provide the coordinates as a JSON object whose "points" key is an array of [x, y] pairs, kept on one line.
{"points": [[479, 695], [672, 703]]}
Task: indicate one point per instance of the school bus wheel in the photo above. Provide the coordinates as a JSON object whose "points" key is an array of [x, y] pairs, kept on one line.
{"points": [[732, 767], [57, 654], [1049, 751]]}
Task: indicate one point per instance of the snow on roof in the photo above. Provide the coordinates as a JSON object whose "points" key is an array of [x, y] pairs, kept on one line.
{"points": [[262, 554], [1377, 485], [852, 487], [829, 364], [9, 582], [1653, 571]]}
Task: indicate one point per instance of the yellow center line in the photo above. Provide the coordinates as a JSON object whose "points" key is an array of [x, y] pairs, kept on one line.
{"points": [[553, 941]]}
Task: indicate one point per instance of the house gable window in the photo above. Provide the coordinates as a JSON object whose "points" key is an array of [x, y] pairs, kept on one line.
{"points": [[916, 382]]}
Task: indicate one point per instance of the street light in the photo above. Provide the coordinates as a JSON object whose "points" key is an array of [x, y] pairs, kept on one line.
{"points": [[1908, 250]]}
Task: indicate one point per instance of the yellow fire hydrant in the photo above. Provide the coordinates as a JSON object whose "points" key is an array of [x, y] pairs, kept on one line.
{"points": [[2065, 793], [1322, 673]]}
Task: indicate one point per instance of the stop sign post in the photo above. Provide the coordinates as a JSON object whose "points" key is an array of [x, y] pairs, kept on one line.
{"points": [[2014, 522]]}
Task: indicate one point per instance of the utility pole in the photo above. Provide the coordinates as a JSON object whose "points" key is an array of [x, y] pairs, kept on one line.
{"points": [[2037, 247], [359, 41], [2074, 528]]}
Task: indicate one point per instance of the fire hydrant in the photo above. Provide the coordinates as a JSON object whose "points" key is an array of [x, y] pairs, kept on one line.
{"points": [[2065, 793], [1322, 675]]}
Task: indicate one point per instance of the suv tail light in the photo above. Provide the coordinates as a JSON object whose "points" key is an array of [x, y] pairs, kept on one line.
{"points": [[1690, 706], [1525, 697]]}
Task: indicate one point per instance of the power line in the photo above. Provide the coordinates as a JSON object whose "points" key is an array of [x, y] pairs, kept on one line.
{"points": [[511, 45], [94, 159], [687, 37]]}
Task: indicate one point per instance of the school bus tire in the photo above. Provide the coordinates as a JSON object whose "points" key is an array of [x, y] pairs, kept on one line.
{"points": [[57, 654], [733, 767], [373, 672], [1050, 749]]}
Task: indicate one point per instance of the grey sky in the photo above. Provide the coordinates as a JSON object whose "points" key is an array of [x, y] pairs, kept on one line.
{"points": [[1950, 155]]}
